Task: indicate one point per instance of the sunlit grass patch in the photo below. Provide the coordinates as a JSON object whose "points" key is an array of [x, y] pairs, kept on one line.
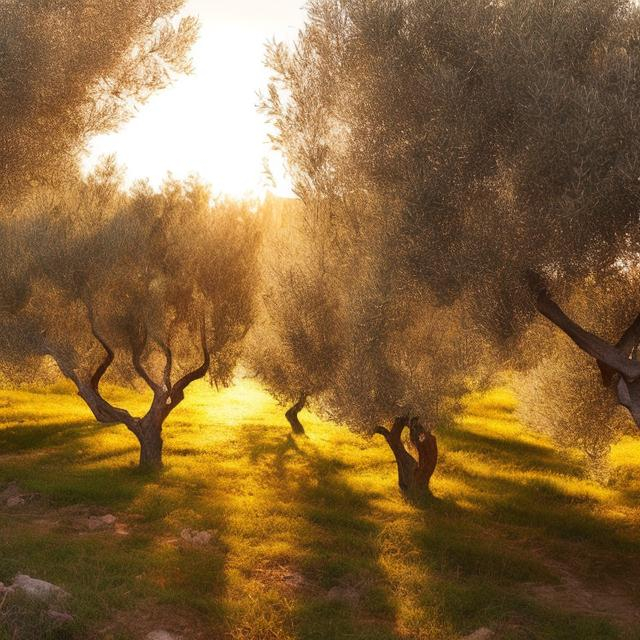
{"points": [[310, 537]]}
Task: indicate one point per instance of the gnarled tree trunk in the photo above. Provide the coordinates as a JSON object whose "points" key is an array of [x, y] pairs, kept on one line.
{"points": [[292, 415], [413, 475], [166, 396]]}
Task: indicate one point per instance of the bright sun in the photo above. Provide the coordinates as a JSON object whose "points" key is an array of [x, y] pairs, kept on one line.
{"points": [[207, 124]]}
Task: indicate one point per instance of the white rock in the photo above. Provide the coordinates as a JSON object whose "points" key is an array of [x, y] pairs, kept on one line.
{"points": [[15, 501], [38, 589], [481, 634], [109, 519], [162, 635]]}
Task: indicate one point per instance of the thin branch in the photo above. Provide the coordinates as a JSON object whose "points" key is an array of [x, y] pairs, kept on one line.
{"points": [[168, 366], [137, 350], [109, 357], [382, 431], [177, 392]]}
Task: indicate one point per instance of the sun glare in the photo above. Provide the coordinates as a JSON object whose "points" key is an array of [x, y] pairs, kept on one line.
{"points": [[207, 124]]}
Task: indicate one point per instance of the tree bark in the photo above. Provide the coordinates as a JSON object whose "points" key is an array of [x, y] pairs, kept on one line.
{"points": [[413, 475], [292, 415], [150, 438]]}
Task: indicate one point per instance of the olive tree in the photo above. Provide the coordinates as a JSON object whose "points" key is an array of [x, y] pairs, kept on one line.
{"points": [[563, 394], [73, 69], [151, 288], [296, 343], [406, 363], [344, 325], [504, 138]]}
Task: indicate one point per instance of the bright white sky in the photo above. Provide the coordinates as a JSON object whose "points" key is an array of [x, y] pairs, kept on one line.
{"points": [[207, 123]]}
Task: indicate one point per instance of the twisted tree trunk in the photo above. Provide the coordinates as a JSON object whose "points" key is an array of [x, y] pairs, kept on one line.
{"points": [[413, 475], [166, 396], [292, 415]]}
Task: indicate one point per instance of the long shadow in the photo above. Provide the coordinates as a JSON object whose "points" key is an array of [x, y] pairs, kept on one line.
{"points": [[29, 437], [341, 591], [117, 582], [545, 507], [481, 560], [516, 452]]}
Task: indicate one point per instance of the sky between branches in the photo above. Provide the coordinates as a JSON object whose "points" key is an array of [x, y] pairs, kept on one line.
{"points": [[207, 123]]}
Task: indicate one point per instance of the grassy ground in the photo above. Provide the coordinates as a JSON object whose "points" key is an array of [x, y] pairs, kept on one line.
{"points": [[310, 537]]}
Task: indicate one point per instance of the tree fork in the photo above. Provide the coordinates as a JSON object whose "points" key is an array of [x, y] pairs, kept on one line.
{"points": [[620, 370], [413, 475]]}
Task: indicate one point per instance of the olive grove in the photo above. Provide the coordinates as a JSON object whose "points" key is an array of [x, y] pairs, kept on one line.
{"points": [[142, 288]]}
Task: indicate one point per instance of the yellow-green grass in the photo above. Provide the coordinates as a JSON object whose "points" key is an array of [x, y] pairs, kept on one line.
{"points": [[311, 538]]}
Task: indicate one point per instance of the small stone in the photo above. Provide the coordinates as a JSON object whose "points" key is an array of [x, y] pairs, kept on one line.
{"points": [[109, 519], [12, 495], [15, 501], [200, 538], [12, 490], [162, 635], [60, 617], [481, 634], [38, 589]]}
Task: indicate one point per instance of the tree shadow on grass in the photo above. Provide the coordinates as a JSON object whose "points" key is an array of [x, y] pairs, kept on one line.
{"points": [[509, 450], [118, 583], [29, 437], [483, 559], [341, 590]]}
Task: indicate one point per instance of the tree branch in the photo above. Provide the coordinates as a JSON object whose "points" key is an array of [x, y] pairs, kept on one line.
{"points": [[383, 431], [177, 392], [605, 353], [108, 360], [102, 410], [168, 367], [627, 344], [137, 349]]}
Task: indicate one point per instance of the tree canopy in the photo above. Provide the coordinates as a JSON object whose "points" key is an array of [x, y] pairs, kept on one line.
{"points": [[73, 69], [501, 139], [152, 288]]}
